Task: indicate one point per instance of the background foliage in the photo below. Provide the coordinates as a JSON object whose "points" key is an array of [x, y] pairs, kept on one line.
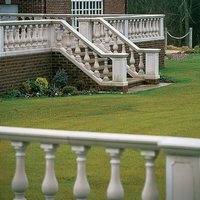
{"points": [[179, 16]]}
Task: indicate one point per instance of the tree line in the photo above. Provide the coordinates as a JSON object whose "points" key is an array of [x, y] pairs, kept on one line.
{"points": [[179, 16]]}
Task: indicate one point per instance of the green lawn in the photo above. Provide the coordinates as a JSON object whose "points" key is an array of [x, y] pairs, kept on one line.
{"points": [[173, 110]]}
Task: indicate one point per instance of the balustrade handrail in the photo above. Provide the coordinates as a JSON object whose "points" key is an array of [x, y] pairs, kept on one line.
{"points": [[121, 36], [87, 138]]}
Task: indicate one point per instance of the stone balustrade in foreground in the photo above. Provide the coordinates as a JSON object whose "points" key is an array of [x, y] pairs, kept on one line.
{"points": [[182, 161]]}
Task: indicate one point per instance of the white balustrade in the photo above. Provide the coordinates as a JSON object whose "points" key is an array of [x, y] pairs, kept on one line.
{"points": [[115, 189], [182, 166], [20, 181], [81, 186], [50, 183], [150, 191]]}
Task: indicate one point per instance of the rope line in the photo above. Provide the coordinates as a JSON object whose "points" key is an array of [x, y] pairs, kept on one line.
{"points": [[178, 38]]}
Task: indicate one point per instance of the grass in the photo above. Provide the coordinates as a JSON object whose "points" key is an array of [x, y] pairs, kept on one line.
{"points": [[173, 110]]}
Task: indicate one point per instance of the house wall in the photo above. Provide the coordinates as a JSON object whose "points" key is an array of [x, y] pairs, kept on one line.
{"points": [[14, 70], [64, 6]]}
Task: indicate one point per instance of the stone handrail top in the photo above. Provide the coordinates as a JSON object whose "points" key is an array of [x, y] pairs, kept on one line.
{"points": [[99, 139], [121, 36]]}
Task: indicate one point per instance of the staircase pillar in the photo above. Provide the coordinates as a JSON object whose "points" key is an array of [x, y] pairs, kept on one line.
{"points": [[85, 28]]}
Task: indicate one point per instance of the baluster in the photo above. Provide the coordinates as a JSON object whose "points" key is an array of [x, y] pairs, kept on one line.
{"points": [[50, 183], [45, 35], [68, 43], [96, 65], [153, 28], [133, 35], [34, 37], [123, 48], [121, 26], [78, 51], [157, 27], [17, 38], [141, 65], [115, 45], [140, 29], [20, 181], [130, 30], [107, 39], [132, 61], [87, 59], [23, 36], [29, 39], [40, 35], [97, 32], [115, 189], [102, 37], [106, 71], [6, 38], [144, 28], [11, 38], [148, 28], [58, 37], [81, 187], [137, 29], [150, 191]]}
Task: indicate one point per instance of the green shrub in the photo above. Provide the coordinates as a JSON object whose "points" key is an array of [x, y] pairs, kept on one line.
{"points": [[60, 79], [42, 83], [196, 49], [30, 87], [13, 93], [70, 90]]}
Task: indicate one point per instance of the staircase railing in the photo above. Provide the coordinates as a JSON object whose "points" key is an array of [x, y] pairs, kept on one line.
{"points": [[182, 161], [109, 39], [29, 36]]}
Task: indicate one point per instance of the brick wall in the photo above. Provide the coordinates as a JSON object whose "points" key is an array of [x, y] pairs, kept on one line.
{"points": [[115, 6], [14, 70], [64, 6]]}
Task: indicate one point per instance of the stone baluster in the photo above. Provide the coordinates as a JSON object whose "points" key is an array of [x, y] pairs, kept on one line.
{"points": [[81, 187], [148, 28], [157, 27], [20, 181], [97, 32], [106, 71], [133, 36], [150, 191], [40, 35], [137, 31], [45, 35], [144, 28], [132, 61], [107, 39], [68, 43], [115, 189], [29, 38], [102, 37], [50, 183], [6, 38], [17, 38], [96, 65], [34, 37], [154, 27], [121, 30], [78, 51], [130, 29], [141, 65], [115, 45], [58, 36], [87, 59], [11, 38], [23, 36], [123, 48]]}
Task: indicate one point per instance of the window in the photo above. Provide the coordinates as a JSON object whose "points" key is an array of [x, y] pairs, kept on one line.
{"points": [[85, 7]]}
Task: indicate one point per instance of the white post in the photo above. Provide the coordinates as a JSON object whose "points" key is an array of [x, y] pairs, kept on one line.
{"points": [[1, 40], [161, 27], [190, 38], [182, 168], [115, 189], [150, 191], [166, 38], [85, 28], [152, 66], [126, 27], [119, 70], [52, 35], [50, 183], [20, 181], [81, 186]]}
